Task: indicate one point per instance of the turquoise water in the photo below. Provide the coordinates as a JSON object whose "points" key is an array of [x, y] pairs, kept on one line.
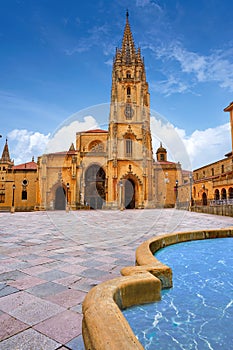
{"points": [[197, 313]]}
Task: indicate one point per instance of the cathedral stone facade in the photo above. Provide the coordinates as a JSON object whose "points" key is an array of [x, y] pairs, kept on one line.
{"points": [[114, 168]]}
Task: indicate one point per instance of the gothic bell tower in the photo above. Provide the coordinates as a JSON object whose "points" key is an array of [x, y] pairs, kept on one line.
{"points": [[130, 155]]}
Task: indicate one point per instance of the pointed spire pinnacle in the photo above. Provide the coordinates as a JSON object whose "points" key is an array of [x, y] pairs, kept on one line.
{"points": [[72, 147], [128, 48], [5, 154]]}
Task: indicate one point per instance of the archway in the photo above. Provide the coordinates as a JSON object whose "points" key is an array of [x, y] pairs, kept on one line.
{"points": [[129, 194], [95, 187], [230, 193], [204, 199], [223, 194], [60, 199], [216, 195]]}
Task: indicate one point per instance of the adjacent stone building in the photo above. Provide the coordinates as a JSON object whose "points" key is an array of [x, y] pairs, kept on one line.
{"points": [[213, 183], [18, 183]]}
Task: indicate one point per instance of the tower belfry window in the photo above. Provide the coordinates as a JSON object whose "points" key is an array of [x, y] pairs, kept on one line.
{"points": [[128, 58], [128, 75], [129, 147]]}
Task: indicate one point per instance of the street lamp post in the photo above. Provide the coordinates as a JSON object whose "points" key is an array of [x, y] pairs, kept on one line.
{"points": [[191, 193], [13, 199], [176, 193], [67, 199]]}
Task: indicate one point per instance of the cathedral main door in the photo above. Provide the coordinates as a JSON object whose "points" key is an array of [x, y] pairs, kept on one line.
{"points": [[95, 187], [60, 199], [129, 194]]}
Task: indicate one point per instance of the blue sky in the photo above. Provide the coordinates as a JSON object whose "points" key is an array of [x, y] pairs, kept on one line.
{"points": [[56, 59]]}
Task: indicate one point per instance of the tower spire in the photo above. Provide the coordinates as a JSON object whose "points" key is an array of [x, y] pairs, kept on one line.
{"points": [[6, 154], [128, 47]]}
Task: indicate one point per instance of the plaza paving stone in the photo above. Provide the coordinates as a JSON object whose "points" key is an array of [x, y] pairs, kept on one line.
{"points": [[50, 260]]}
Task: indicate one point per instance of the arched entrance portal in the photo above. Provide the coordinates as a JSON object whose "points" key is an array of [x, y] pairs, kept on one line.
{"points": [[60, 199], [129, 194], [95, 187], [204, 199]]}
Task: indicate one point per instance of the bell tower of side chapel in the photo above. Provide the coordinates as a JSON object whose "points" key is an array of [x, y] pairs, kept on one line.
{"points": [[130, 154]]}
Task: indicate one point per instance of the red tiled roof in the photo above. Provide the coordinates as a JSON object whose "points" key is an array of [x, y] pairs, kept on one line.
{"points": [[186, 171], [165, 162], [229, 108], [96, 131], [28, 166], [61, 153]]}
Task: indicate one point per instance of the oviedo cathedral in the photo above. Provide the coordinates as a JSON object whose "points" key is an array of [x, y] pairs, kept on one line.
{"points": [[113, 169]]}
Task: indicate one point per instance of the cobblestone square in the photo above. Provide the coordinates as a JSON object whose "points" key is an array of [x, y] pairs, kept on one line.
{"points": [[49, 261]]}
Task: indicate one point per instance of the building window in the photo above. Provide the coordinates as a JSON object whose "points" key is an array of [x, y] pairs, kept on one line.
{"points": [[2, 197], [216, 195], [161, 157], [128, 91], [223, 194], [222, 169], [128, 75], [129, 147], [230, 193], [194, 192], [212, 170], [24, 195], [196, 176]]}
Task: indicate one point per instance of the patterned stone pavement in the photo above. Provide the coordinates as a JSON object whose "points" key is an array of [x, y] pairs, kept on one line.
{"points": [[50, 260]]}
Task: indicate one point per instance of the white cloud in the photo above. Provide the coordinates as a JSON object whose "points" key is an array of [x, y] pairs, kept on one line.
{"points": [[200, 148], [25, 144], [96, 36], [215, 67], [66, 134], [165, 132], [170, 85], [144, 3], [207, 146]]}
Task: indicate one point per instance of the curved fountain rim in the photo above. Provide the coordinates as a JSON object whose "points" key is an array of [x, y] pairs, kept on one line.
{"points": [[104, 326]]}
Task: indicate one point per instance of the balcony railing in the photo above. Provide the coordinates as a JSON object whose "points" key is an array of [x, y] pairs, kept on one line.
{"points": [[221, 202]]}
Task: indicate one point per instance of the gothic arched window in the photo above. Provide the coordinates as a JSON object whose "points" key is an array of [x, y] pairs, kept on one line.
{"points": [[24, 195], [128, 147]]}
